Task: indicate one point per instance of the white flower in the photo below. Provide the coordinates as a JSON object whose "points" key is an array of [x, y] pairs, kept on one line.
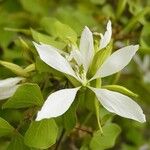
{"points": [[8, 87], [60, 101]]}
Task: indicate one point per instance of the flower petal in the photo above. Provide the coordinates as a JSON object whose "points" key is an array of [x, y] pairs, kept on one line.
{"points": [[77, 56], [57, 103], [10, 82], [86, 47], [7, 92], [8, 87], [51, 56], [116, 62], [105, 39], [119, 104]]}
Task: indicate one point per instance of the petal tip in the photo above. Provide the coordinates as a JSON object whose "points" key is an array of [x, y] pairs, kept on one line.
{"points": [[143, 119], [136, 47], [109, 24]]}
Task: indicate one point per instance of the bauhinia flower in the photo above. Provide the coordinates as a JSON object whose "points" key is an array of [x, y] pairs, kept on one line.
{"points": [[9, 86], [59, 102]]}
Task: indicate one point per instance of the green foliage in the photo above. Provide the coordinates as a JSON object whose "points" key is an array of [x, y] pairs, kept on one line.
{"points": [[17, 143], [120, 89], [41, 134], [14, 68], [58, 29], [60, 23], [107, 140], [27, 95], [5, 128]]}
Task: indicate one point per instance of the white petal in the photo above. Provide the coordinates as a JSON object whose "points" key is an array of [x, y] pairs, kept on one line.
{"points": [[57, 103], [51, 56], [119, 104], [8, 87], [7, 92], [116, 62], [105, 39], [77, 56], [86, 47], [10, 82]]}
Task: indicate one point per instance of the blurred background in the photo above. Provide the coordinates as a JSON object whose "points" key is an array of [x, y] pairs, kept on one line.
{"points": [[22, 21]]}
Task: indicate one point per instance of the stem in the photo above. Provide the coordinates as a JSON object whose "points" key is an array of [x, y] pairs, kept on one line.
{"points": [[97, 115], [97, 108], [116, 78], [84, 130]]}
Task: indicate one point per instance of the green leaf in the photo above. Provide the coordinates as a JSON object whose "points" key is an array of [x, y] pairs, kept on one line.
{"points": [[107, 140], [120, 89], [41, 134], [27, 95], [58, 29], [98, 2], [17, 143], [133, 21], [145, 36], [121, 5], [14, 68], [30, 68], [70, 117], [99, 58], [40, 37], [5, 128], [35, 6]]}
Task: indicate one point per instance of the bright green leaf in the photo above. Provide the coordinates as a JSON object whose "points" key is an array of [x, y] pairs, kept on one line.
{"points": [[70, 117], [107, 140], [40, 37], [14, 68], [145, 36], [41, 134], [27, 95], [58, 29], [5, 128], [99, 58], [120, 89], [17, 143]]}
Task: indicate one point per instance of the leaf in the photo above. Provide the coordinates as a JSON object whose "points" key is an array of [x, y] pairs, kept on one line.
{"points": [[145, 36], [70, 118], [98, 2], [107, 140], [39, 7], [40, 37], [27, 95], [5, 128], [58, 29], [41, 134], [17, 143], [14, 68], [120, 89], [99, 59]]}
